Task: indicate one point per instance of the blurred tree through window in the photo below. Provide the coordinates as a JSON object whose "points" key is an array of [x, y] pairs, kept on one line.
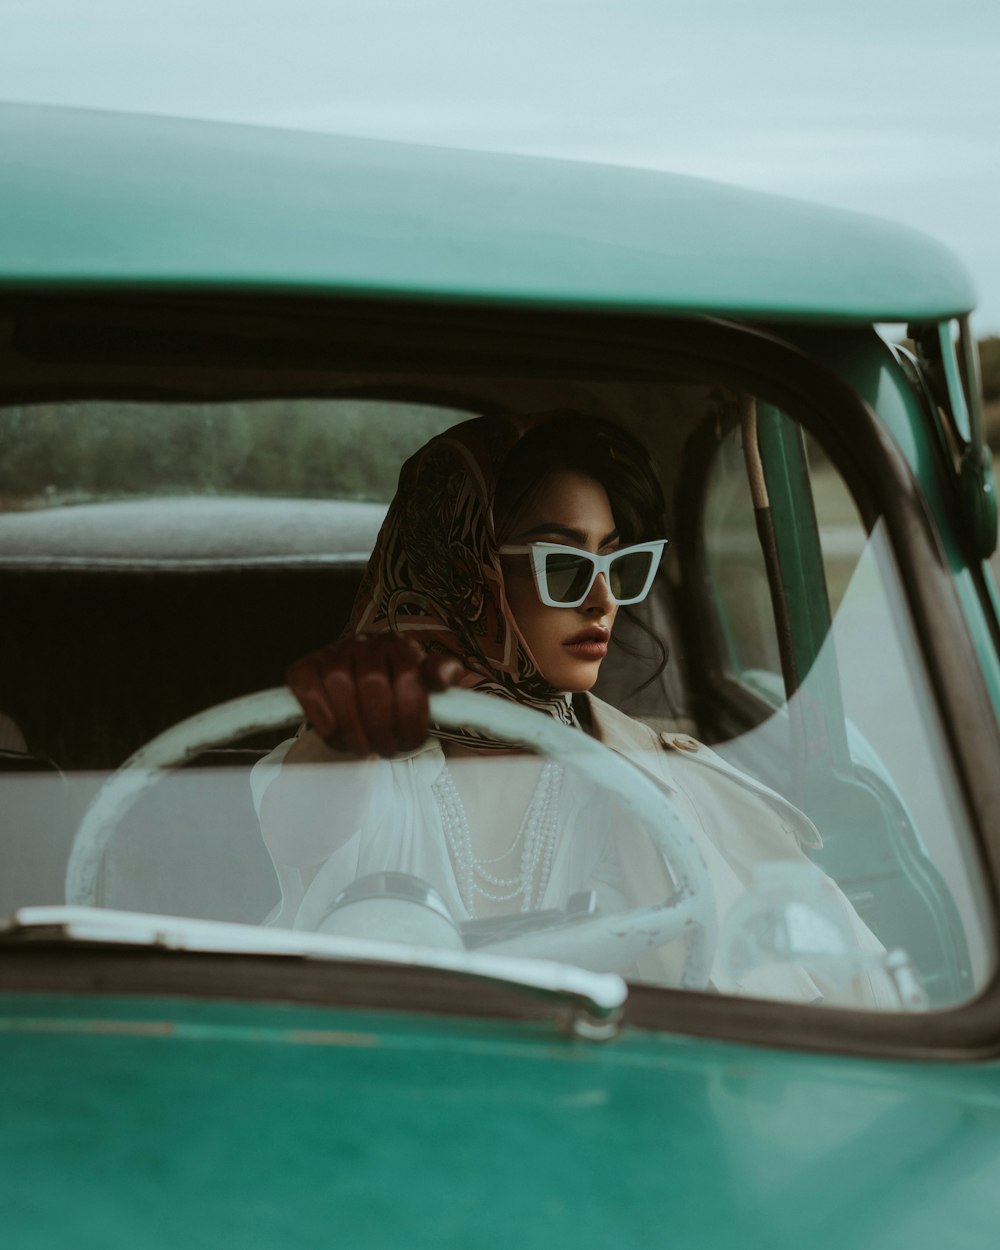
{"points": [[91, 450]]}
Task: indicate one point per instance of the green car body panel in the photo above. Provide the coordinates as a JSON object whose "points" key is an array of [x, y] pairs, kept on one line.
{"points": [[151, 1121], [205, 1125]]}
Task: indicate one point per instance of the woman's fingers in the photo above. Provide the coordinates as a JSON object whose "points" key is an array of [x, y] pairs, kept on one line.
{"points": [[377, 694], [340, 681], [412, 711], [325, 684], [366, 695], [305, 680]]}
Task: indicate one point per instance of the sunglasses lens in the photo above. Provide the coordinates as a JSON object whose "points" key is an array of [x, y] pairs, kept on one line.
{"points": [[628, 574], [567, 576]]}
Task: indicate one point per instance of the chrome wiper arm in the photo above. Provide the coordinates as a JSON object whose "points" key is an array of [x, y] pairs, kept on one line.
{"points": [[590, 1003]]}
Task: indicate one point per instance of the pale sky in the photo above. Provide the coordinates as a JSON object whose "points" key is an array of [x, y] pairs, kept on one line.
{"points": [[887, 106]]}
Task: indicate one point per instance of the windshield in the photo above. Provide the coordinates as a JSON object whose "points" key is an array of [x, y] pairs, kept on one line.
{"points": [[751, 794]]}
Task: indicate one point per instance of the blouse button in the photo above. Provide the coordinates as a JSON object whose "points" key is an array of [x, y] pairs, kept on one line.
{"points": [[680, 742]]}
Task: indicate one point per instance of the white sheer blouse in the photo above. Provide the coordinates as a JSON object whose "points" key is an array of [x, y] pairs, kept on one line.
{"points": [[737, 823], [404, 832]]}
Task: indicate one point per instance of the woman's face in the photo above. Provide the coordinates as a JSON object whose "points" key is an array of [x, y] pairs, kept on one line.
{"points": [[568, 644]]}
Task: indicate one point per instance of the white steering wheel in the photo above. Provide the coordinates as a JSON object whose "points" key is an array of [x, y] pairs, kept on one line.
{"points": [[611, 941]]}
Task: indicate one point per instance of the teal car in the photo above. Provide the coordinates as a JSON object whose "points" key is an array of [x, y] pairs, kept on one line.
{"points": [[217, 346]]}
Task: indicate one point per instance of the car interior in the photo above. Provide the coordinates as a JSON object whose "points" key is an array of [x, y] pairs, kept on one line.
{"points": [[113, 634]]}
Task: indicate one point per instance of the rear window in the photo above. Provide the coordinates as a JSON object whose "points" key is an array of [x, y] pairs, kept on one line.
{"points": [[96, 450]]}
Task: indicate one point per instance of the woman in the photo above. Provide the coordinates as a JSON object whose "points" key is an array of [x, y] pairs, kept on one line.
{"points": [[504, 560]]}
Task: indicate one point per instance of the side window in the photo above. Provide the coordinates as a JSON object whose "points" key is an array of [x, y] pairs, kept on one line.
{"points": [[739, 598], [792, 511], [807, 622]]}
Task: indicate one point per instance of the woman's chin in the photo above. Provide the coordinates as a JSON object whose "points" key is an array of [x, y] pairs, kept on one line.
{"points": [[575, 679]]}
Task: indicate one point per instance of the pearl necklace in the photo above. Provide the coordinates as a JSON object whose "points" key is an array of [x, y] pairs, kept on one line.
{"points": [[537, 836]]}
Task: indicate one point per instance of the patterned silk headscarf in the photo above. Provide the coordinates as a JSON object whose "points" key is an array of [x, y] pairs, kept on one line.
{"points": [[435, 576]]}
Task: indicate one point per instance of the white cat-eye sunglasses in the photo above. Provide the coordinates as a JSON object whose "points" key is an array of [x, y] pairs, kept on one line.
{"points": [[565, 575]]}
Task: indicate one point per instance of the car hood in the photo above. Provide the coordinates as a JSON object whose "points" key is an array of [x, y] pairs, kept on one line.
{"points": [[159, 1122]]}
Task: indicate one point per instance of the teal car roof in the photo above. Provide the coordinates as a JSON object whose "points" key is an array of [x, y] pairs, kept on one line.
{"points": [[128, 201]]}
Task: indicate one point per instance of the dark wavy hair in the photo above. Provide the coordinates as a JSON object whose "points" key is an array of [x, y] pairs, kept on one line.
{"points": [[599, 449]]}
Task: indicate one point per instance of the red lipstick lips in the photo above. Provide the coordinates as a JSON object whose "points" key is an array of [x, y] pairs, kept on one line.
{"points": [[589, 644]]}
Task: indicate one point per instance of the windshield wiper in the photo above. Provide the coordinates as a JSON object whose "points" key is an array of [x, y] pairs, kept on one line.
{"points": [[589, 1004]]}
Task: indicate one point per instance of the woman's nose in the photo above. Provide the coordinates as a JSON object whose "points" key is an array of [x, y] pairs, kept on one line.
{"points": [[600, 601]]}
